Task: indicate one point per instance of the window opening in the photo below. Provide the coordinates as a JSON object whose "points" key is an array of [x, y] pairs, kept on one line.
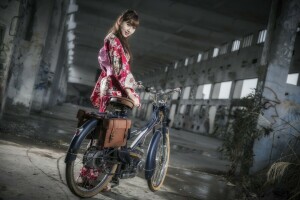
{"points": [[262, 36], [186, 93], [175, 64], [247, 41], [292, 78], [186, 62], [199, 57], [223, 49], [235, 45], [215, 52]]}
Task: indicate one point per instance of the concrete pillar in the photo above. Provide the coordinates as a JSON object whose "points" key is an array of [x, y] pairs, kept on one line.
{"points": [[9, 19], [28, 55], [278, 56], [58, 90], [48, 69]]}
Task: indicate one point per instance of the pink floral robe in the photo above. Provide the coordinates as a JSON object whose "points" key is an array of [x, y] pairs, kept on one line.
{"points": [[115, 76]]}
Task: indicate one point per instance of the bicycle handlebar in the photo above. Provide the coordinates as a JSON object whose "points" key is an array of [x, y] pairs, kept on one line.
{"points": [[157, 93]]}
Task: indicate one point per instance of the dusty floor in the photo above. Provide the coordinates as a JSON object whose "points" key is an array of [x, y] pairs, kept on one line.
{"points": [[32, 149]]}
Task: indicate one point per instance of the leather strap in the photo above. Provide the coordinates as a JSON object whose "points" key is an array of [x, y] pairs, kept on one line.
{"points": [[126, 130], [111, 137]]}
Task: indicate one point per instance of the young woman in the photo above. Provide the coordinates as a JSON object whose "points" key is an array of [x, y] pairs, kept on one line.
{"points": [[114, 58]]}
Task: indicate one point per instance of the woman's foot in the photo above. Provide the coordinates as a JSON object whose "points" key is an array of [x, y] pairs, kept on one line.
{"points": [[107, 188]]}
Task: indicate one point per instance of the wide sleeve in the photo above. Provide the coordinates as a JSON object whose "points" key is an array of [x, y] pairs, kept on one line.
{"points": [[120, 66]]}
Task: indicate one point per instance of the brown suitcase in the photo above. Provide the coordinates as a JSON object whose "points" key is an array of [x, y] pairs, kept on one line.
{"points": [[114, 132]]}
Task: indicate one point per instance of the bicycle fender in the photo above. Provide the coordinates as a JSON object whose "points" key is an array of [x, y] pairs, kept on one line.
{"points": [[80, 134], [150, 160]]}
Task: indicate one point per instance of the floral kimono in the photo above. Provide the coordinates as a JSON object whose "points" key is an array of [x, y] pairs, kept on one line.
{"points": [[115, 76]]}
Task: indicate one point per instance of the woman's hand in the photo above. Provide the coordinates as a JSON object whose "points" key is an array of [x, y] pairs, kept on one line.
{"points": [[136, 100]]}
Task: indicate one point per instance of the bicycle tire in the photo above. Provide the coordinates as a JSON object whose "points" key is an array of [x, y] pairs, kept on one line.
{"points": [[162, 156], [84, 188]]}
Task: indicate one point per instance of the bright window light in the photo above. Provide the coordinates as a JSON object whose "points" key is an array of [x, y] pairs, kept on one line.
{"points": [[262, 36], [175, 95], [222, 90], [182, 109], [225, 90], [206, 91], [186, 93], [199, 57], [216, 52], [244, 87], [292, 78], [248, 86], [236, 45], [203, 91], [176, 64], [186, 62]]}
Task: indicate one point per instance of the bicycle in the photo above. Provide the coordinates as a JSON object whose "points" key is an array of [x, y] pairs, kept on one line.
{"points": [[90, 166]]}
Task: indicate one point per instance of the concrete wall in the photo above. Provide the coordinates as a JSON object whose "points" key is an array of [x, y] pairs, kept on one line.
{"points": [[284, 110], [8, 16], [51, 68], [36, 62], [207, 115], [211, 115]]}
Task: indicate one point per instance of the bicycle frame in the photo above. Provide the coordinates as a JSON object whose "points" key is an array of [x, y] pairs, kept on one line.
{"points": [[158, 106], [124, 162], [144, 132]]}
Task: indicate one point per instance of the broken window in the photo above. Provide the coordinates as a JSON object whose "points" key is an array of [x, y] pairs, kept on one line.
{"points": [[175, 64], [223, 49], [166, 68], [247, 41], [182, 109], [203, 91], [292, 79], [196, 110], [186, 62], [262, 36], [244, 87], [199, 57], [215, 52], [186, 93], [236, 45], [205, 55], [222, 90], [293, 74], [175, 95]]}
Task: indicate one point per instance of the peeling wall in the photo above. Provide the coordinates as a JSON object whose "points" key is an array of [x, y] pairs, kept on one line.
{"points": [[36, 67], [28, 53], [9, 12], [283, 104], [211, 116]]}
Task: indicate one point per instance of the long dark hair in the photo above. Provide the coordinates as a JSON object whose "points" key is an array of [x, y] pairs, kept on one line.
{"points": [[132, 18]]}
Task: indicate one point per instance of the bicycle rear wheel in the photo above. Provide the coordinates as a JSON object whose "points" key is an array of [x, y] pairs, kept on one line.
{"points": [[92, 169], [162, 156]]}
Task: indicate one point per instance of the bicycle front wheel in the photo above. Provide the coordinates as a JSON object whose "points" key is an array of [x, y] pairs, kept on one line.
{"points": [[162, 156]]}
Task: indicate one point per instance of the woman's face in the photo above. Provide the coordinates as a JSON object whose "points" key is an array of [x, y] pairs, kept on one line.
{"points": [[126, 29]]}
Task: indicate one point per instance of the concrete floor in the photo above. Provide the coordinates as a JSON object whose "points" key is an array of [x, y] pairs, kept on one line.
{"points": [[32, 150]]}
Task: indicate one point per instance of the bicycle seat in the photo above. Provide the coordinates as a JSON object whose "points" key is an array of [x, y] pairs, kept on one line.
{"points": [[121, 101]]}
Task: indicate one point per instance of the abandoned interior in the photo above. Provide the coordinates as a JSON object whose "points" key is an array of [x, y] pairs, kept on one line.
{"points": [[222, 54]]}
